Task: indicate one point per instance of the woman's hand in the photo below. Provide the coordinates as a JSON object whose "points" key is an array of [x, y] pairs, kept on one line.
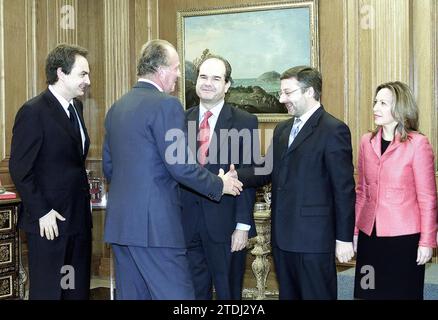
{"points": [[424, 254]]}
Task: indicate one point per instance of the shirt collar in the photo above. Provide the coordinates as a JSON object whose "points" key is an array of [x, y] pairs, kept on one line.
{"points": [[151, 82], [64, 103], [216, 110], [308, 114]]}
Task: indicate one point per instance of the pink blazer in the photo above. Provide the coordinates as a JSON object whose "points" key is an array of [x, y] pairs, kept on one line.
{"points": [[397, 190]]}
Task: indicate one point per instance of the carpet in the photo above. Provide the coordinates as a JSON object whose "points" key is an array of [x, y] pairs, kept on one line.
{"points": [[346, 283]]}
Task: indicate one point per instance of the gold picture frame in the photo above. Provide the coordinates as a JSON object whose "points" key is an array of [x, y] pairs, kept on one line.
{"points": [[275, 35]]}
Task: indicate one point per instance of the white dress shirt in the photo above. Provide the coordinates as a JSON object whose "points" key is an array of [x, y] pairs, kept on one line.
{"points": [[151, 82], [307, 116]]}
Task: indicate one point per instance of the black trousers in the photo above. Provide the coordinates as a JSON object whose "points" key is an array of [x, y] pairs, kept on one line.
{"points": [[213, 263], [305, 276], [59, 269]]}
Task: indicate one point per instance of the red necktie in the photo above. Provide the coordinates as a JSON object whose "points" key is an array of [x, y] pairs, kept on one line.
{"points": [[204, 137]]}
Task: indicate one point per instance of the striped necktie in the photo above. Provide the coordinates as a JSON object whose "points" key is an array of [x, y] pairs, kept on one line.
{"points": [[294, 131]]}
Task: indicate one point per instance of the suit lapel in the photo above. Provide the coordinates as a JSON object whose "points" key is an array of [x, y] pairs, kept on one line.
{"points": [[80, 106], [57, 111], [393, 145], [224, 121], [192, 117], [306, 130], [376, 144], [284, 137]]}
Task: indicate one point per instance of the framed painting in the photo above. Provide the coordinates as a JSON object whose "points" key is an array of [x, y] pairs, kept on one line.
{"points": [[260, 41]]}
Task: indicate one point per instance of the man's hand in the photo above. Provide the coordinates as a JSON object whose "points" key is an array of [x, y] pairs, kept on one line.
{"points": [[239, 239], [231, 185], [424, 254], [232, 172], [48, 224], [344, 251]]}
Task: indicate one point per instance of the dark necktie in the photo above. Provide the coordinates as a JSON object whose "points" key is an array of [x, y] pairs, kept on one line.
{"points": [[74, 121]]}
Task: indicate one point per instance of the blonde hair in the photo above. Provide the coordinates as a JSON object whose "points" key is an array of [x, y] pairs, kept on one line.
{"points": [[404, 110]]}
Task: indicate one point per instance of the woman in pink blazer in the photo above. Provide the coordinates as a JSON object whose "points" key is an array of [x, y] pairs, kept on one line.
{"points": [[396, 209]]}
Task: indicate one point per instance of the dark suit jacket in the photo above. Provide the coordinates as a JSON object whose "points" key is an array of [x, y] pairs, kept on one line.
{"points": [[313, 193], [47, 165], [144, 129], [221, 218]]}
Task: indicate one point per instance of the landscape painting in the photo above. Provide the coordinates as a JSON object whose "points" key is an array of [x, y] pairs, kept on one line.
{"points": [[260, 42]]}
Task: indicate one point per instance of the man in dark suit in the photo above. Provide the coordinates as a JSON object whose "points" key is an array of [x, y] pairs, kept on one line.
{"points": [[144, 157], [47, 164], [217, 232], [313, 193]]}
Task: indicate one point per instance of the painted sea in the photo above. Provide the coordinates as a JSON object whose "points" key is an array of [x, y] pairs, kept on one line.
{"points": [[270, 86], [255, 95]]}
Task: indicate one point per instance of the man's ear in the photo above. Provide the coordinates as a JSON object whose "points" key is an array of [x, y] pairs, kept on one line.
{"points": [[161, 71], [60, 73], [227, 86], [310, 91]]}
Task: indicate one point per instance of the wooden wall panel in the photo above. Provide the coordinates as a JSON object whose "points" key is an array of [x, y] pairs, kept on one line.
{"points": [[116, 53], [14, 74], [91, 35], [425, 66], [41, 46], [2, 93], [145, 25], [331, 35], [67, 21]]}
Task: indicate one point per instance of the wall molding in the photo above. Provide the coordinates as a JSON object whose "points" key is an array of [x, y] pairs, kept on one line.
{"points": [[391, 45], [2, 87], [153, 14], [425, 65], [351, 69], [65, 35], [31, 49], [117, 55]]}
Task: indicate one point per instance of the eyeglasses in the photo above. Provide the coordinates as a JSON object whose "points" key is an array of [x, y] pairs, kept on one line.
{"points": [[289, 93]]}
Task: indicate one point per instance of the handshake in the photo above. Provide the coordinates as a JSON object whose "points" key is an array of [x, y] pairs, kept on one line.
{"points": [[232, 185]]}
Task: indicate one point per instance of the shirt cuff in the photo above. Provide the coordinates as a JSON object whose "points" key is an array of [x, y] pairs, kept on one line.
{"points": [[339, 241], [243, 227]]}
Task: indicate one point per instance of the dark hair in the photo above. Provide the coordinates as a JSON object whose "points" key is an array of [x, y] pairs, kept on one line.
{"points": [[153, 54], [404, 109], [64, 57], [307, 77], [227, 65]]}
